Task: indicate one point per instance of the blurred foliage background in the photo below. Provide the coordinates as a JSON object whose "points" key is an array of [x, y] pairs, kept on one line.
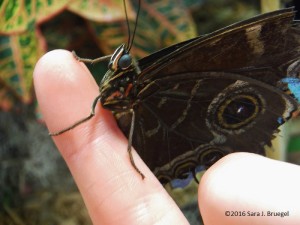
{"points": [[35, 184]]}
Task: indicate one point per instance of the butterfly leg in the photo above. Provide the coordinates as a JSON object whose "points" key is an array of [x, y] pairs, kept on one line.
{"points": [[91, 61], [129, 148], [92, 113]]}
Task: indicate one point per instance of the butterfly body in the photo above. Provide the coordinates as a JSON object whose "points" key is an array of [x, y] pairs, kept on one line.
{"points": [[201, 99], [190, 104]]}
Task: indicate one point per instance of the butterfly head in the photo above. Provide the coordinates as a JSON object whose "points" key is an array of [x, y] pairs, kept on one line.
{"points": [[116, 86], [120, 60]]}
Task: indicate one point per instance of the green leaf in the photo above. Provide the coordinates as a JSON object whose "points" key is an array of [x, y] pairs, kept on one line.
{"points": [[18, 55], [16, 16], [101, 11], [160, 24]]}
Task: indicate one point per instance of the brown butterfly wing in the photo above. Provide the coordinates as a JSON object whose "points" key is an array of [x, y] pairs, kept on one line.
{"points": [[212, 95], [269, 42]]}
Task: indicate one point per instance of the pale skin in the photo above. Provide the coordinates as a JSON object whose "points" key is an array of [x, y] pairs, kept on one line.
{"points": [[114, 192]]}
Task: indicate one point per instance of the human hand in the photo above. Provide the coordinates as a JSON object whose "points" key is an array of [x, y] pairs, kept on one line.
{"points": [[96, 153]]}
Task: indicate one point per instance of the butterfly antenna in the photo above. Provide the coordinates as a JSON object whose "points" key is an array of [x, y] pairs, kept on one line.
{"points": [[135, 25], [128, 26], [131, 38]]}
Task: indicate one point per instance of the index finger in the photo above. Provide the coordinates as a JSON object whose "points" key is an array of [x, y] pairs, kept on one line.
{"points": [[96, 151]]}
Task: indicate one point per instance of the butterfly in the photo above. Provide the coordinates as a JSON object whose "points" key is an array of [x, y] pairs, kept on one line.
{"points": [[190, 104]]}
